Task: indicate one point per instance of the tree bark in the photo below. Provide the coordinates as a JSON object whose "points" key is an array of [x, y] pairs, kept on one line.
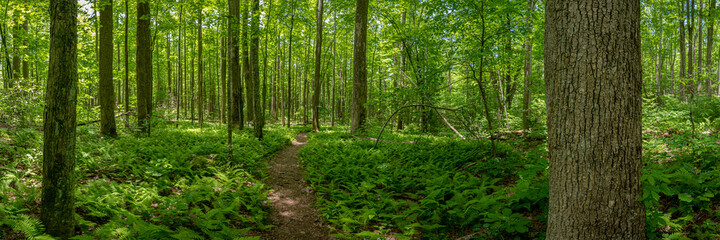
{"points": [[318, 57], [143, 65], [57, 211], [710, 35], [107, 93], [682, 49], [246, 72], [289, 82], [201, 88], [527, 88], [178, 87], [593, 88], [236, 115], [127, 64], [359, 67], [259, 117]]}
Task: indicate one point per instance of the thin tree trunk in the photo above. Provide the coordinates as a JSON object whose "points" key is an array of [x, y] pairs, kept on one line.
{"points": [[201, 88], [127, 65], [289, 86], [710, 35], [527, 88]]}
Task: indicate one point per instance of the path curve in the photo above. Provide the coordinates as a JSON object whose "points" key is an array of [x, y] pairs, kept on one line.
{"points": [[293, 212]]}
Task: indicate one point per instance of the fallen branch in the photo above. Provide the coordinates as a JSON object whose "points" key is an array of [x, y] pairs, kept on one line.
{"points": [[407, 106], [387, 141], [96, 121]]}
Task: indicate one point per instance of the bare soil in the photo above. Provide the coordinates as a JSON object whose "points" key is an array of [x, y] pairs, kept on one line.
{"points": [[293, 212]]}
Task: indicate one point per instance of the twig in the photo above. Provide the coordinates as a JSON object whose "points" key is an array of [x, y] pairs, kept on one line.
{"points": [[95, 121]]}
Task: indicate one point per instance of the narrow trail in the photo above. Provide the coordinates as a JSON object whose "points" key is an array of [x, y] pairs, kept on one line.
{"points": [[292, 211]]}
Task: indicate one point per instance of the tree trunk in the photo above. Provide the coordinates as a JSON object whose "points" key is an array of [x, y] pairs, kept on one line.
{"points": [[237, 104], [126, 90], [359, 67], [107, 93], [249, 96], [527, 84], [57, 210], [201, 88], [660, 64], [289, 86], [178, 87], [223, 75], [682, 49], [259, 117], [318, 57], [710, 35], [593, 88], [143, 65]]}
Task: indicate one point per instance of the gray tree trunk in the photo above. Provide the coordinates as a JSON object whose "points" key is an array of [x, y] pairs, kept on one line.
{"points": [[593, 88]]}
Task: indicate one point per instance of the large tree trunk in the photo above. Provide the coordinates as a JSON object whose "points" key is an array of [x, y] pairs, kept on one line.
{"points": [[318, 57], [143, 65], [259, 117], [359, 67], [57, 211], [593, 88], [107, 93]]}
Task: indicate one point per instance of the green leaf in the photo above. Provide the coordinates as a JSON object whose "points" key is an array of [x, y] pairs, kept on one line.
{"points": [[685, 197]]}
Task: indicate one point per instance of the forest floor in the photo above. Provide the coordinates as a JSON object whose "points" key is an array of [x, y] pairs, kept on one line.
{"points": [[293, 212]]}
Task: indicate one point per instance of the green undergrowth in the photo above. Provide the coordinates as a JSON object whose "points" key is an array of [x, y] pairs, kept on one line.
{"points": [[451, 188], [179, 183], [446, 189]]}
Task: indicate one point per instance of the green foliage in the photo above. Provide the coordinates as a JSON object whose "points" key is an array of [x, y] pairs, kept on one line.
{"points": [[427, 190], [179, 183]]}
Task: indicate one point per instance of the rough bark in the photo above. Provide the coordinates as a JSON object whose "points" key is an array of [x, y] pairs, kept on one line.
{"points": [[318, 56], [57, 211], [593, 88], [143, 65], [259, 117], [236, 115], [107, 92], [359, 97]]}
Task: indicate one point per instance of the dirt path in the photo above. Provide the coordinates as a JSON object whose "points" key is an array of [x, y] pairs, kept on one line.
{"points": [[292, 211]]}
